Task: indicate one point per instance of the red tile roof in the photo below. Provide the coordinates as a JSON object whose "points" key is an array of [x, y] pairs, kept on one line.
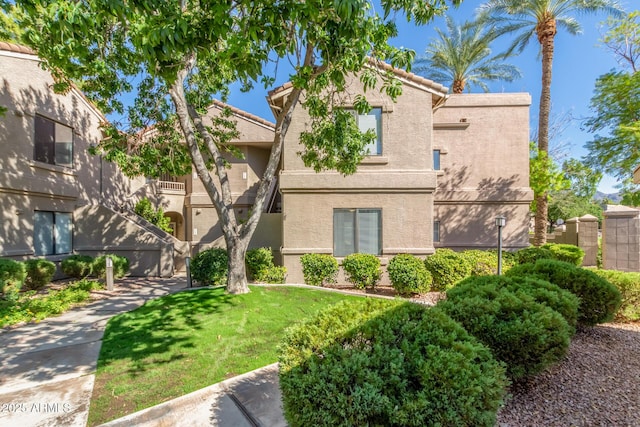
{"points": [[10, 47], [244, 114]]}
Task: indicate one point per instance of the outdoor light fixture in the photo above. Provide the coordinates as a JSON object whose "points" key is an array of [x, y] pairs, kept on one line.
{"points": [[500, 222]]}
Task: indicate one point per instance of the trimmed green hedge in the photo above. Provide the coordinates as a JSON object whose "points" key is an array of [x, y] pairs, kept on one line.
{"points": [[567, 253], [261, 268], [319, 269], [363, 270], [599, 299], [12, 276], [377, 362], [210, 267], [447, 268], [526, 335], [543, 292], [532, 254], [39, 273], [408, 275], [120, 266], [628, 283], [77, 266]]}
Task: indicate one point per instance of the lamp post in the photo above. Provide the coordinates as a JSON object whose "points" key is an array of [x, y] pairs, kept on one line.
{"points": [[500, 222]]}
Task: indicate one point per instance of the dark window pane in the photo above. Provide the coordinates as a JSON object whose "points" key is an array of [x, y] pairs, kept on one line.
{"points": [[44, 140]]}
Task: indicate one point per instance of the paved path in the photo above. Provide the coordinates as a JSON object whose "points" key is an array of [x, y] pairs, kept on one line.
{"points": [[46, 375]]}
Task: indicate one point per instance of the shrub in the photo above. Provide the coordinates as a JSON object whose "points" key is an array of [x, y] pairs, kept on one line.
{"points": [[543, 292], [39, 273], [362, 270], [12, 276], [599, 299], [77, 266], [120, 266], [210, 267], [261, 268], [483, 263], [447, 268], [532, 254], [319, 269], [145, 209], [273, 274], [380, 362], [567, 253], [629, 286], [408, 274], [526, 335]]}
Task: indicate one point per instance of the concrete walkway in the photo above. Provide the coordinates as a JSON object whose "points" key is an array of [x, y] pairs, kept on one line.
{"points": [[47, 370]]}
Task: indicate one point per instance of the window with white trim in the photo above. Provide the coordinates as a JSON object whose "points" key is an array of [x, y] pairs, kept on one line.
{"points": [[53, 142], [357, 231], [52, 233], [371, 121]]}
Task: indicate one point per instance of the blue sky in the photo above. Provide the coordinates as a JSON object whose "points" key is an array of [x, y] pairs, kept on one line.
{"points": [[578, 62]]}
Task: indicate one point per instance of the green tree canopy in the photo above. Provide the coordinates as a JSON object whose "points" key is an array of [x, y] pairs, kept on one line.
{"points": [[462, 56], [177, 56]]}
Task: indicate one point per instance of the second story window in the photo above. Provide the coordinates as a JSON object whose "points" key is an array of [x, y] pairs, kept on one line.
{"points": [[436, 160], [372, 120], [53, 142]]}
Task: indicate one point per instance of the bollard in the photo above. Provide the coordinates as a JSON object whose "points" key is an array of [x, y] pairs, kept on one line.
{"points": [[109, 271], [188, 260]]}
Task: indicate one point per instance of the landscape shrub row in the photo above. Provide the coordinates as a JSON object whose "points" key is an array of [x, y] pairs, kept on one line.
{"points": [[399, 363], [442, 270], [211, 266], [33, 274], [628, 283]]}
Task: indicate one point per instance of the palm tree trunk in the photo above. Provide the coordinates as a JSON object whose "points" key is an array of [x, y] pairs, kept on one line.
{"points": [[546, 32], [458, 86]]}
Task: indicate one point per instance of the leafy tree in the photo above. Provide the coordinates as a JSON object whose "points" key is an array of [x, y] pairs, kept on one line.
{"points": [[623, 39], [177, 56], [541, 18], [583, 179], [10, 31], [462, 56], [565, 204], [544, 175]]}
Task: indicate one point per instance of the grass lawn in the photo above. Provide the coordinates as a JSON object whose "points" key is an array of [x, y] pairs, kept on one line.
{"points": [[186, 341]]}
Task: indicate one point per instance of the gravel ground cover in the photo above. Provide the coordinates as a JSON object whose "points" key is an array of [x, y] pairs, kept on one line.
{"points": [[597, 384]]}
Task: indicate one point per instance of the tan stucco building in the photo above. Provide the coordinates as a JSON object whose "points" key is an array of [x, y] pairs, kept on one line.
{"points": [[442, 168]]}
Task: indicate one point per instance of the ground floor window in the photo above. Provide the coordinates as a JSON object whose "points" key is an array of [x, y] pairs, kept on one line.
{"points": [[357, 231], [52, 233], [436, 231]]}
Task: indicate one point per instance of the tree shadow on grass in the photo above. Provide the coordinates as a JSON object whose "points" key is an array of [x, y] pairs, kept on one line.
{"points": [[156, 329]]}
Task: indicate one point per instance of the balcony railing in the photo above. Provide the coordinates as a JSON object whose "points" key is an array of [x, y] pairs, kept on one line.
{"points": [[171, 187]]}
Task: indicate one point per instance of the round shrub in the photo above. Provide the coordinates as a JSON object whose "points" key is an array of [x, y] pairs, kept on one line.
{"points": [[77, 266], [363, 270], [210, 267], [599, 299], [532, 254], [483, 263], [319, 269], [526, 335], [567, 253], [275, 274], [447, 268], [408, 274], [120, 266], [628, 283], [375, 362], [39, 273], [543, 292], [257, 260], [12, 276]]}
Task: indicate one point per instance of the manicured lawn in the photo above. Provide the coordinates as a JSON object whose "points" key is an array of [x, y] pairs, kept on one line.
{"points": [[186, 341]]}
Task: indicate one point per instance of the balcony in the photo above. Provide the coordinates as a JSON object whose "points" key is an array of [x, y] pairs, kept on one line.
{"points": [[171, 187]]}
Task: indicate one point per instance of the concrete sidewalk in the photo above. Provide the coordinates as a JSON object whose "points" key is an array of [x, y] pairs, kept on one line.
{"points": [[47, 370]]}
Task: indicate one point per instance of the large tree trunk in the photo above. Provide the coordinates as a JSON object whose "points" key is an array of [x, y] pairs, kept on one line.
{"points": [[237, 277], [546, 31]]}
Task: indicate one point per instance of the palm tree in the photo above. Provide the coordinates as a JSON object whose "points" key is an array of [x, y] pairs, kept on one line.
{"points": [[542, 18], [462, 57]]}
